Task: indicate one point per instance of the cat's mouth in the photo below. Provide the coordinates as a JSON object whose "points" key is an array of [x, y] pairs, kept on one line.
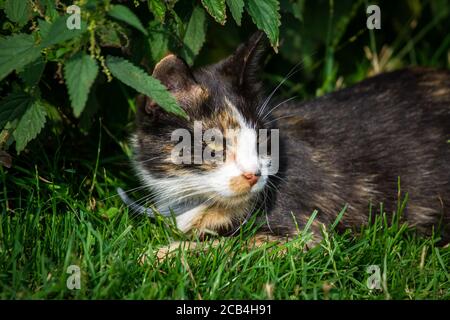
{"points": [[243, 193]]}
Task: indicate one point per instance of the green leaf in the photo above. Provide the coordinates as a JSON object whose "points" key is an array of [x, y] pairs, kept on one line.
{"points": [[79, 73], [29, 125], [265, 15], [44, 27], [158, 40], [124, 14], [16, 52], [17, 11], [50, 8], [58, 32], [111, 35], [158, 8], [32, 72], [195, 35], [236, 8], [139, 80], [217, 9], [13, 107]]}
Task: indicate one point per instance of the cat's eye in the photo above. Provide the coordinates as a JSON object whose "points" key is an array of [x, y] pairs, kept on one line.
{"points": [[215, 146], [214, 149]]}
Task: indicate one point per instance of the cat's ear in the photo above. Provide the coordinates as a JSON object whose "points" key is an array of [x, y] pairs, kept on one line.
{"points": [[244, 65], [174, 73], [177, 77]]}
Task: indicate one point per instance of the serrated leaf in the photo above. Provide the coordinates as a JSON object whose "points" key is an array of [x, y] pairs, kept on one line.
{"points": [[158, 8], [158, 40], [29, 125], [110, 35], [265, 14], [236, 8], [13, 107], [17, 11], [139, 80], [52, 112], [79, 73], [32, 72], [195, 35], [44, 27], [124, 14], [16, 52], [217, 9], [50, 8], [58, 32]]}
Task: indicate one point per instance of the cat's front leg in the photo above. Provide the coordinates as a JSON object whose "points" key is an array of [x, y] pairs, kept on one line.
{"points": [[203, 220], [257, 241], [199, 221], [272, 241]]}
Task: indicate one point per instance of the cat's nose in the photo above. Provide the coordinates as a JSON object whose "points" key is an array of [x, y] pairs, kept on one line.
{"points": [[251, 177]]}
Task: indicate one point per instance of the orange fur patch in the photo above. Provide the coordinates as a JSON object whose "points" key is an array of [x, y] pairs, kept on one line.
{"points": [[212, 219], [240, 184]]}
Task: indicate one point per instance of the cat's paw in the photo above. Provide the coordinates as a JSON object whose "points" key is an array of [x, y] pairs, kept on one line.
{"points": [[171, 249]]}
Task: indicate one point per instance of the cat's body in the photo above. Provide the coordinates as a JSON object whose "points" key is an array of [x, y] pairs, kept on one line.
{"points": [[349, 148], [358, 145]]}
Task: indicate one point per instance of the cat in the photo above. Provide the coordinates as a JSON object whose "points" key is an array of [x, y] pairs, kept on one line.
{"points": [[351, 148]]}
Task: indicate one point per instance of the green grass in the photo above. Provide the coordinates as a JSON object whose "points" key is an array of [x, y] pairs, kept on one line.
{"points": [[57, 217]]}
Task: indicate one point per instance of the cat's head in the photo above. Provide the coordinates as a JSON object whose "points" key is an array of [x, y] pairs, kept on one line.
{"points": [[223, 102]]}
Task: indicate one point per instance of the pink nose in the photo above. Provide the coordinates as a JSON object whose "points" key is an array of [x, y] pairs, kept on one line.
{"points": [[251, 178]]}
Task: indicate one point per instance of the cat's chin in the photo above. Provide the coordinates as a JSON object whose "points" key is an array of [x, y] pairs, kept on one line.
{"points": [[236, 200], [240, 199]]}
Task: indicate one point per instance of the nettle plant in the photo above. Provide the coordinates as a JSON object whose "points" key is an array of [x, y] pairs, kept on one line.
{"points": [[78, 37]]}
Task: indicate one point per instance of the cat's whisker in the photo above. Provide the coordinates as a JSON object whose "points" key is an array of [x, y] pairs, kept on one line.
{"points": [[278, 177], [286, 77], [274, 108], [249, 214], [133, 206], [292, 72], [274, 187], [128, 190], [284, 117], [169, 187], [266, 191], [168, 194], [147, 160], [179, 199], [143, 200]]}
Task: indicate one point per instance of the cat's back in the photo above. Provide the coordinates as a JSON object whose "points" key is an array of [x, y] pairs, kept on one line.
{"points": [[352, 145], [408, 94], [400, 118]]}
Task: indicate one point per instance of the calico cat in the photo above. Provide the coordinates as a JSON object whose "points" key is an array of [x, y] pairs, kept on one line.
{"points": [[349, 147]]}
